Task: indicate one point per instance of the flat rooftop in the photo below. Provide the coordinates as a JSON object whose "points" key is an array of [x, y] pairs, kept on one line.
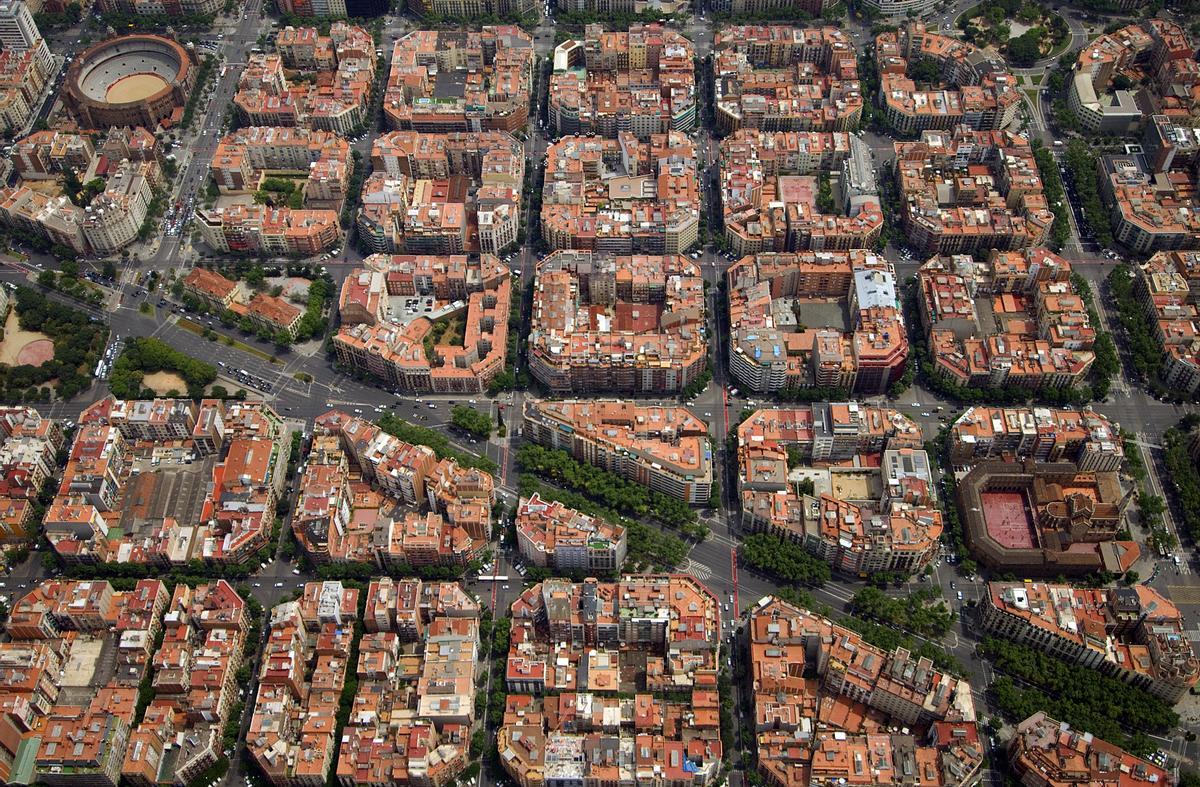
{"points": [[1008, 519]]}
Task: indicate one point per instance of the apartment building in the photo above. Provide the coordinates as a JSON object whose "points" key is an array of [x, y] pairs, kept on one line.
{"points": [[80, 730], [661, 612], [1034, 331], [326, 501], [1048, 753], [127, 162], [161, 7], [112, 221], [29, 444], [265, 312], [412, 294], [318, 8], [1152, 209], [787, 329], [231, 462], [1044, 434], [45, 154], [641, 81], [19, 32], [832, 433], [466, 9], [900, 8], [411, 474], [428, 539], [808, 727], [195, 686], [269, 313], [963, 191], [769, 184], [444, 81], [86, 744], [631, 323], [259, 229], [1156, 55], [1132, 633], [663, 448], [336, 101], [293, 730], [321, 159], [55, 218], [24, 75], [428, 191], [553, 536], [768, 8], [783, 78], [1166, 288], [416, 686], [573, 645], [212, 289], [1167, 145], [639, 7], [622, 196], [982, 94], [873, 505]]}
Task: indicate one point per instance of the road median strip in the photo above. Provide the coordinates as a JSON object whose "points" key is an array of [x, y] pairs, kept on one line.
{"points": [[199, 330]]}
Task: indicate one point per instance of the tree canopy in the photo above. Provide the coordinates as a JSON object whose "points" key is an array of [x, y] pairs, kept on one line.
{"points": [[1024, 50], [145, 355], [784, 560], [609, 489], [78, 343], [1087, 700], [420, 435], [922, 611], [471, 421]]}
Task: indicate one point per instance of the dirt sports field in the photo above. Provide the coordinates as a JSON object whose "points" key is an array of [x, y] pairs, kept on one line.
{"points": [[161, 382], [24, 347]]}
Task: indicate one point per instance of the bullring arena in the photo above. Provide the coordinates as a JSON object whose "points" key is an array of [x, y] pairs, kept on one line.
{"points": [[133, 80]]}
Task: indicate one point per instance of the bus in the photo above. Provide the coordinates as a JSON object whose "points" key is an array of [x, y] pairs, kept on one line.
{"points": [[492, 578]]}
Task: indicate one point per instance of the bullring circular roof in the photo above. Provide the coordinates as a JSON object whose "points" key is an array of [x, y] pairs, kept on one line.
{"points": [[129, 69]]}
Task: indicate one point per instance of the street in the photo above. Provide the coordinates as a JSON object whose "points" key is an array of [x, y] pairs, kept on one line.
{"points": [[305, 383]]}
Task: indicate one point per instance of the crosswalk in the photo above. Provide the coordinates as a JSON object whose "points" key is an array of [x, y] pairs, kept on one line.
{"points": [[697, 570]]}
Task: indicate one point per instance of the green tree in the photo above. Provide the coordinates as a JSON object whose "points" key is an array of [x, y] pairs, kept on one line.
{"points": [[471, 421], [825, 203], [784, 560], [73, 187], [1024, 50], [1029, 680], [924, 69], [420, 435]]}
